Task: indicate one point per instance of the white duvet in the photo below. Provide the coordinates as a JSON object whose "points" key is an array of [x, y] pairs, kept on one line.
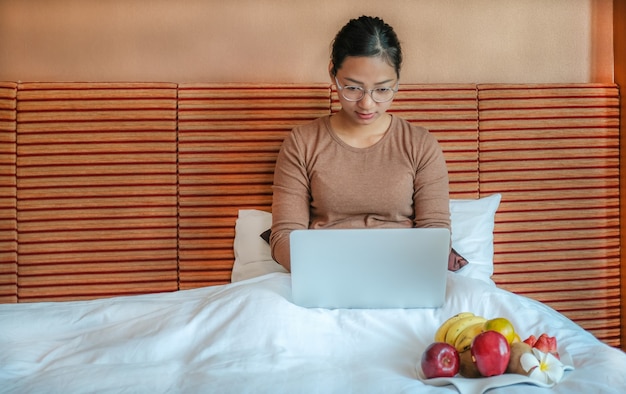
{"points": [[247, 337]]}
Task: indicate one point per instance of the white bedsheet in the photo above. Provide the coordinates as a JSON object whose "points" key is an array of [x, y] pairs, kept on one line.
{"points": [[247, 337]]}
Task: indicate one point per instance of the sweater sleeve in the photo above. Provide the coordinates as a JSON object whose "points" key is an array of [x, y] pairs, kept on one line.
{"points": [[291, 198], [431, 199]]}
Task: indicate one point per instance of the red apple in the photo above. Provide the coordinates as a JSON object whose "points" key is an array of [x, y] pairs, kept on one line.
{"points": [[439, 360], [491, 351]]}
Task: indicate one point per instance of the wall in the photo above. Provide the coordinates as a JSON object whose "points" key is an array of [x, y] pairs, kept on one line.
{"points": [[288, 41]]}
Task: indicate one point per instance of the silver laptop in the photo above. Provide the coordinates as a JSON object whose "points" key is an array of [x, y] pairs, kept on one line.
{"points": [[369, 268]]}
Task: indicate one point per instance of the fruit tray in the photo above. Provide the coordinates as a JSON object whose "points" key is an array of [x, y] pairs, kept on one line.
{"points": [[480, 385]]}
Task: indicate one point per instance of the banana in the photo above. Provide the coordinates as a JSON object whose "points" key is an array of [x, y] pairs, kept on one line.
{"points": [[464, 340], [459, 326], [440, 335]]}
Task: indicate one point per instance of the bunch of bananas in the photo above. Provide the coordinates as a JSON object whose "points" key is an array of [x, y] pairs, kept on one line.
{"points": [[460, 330]]}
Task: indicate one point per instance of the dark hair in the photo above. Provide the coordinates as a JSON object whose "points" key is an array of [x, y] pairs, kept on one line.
{"points": [[367, 36]]}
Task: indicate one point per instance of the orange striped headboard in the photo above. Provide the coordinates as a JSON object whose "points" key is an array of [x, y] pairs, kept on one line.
{"points": [[450, 112], [229, 137], [96, 190], [8, 214], [129, 188], [553, 153]]}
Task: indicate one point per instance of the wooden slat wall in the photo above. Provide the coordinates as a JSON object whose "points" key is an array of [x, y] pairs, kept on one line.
{"points": [[229, 136], [8, 214], [97, 189], [450, 112], [619, 72], [553, 153]]}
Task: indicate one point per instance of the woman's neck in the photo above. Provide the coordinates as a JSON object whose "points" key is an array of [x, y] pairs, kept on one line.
{"points": [[359, 136]]}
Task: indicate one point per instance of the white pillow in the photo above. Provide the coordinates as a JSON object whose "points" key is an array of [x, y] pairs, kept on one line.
{"points": [[472, 234], [252, 254], [472, 237]]}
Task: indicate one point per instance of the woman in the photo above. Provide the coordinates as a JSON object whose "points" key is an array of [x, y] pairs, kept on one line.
{"points": [[360, 167]]}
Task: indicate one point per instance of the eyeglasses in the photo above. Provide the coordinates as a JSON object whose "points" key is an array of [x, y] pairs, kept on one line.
{"points": [[356, 93]]}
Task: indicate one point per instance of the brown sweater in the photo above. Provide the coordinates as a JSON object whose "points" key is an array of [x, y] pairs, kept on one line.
{"points": [[321, 182]]}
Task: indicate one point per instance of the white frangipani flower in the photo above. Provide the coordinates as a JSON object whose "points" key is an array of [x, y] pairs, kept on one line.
{"points": [[543, 367]]}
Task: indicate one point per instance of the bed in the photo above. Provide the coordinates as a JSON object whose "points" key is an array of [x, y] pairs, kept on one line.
{"points": [[132, 260]]}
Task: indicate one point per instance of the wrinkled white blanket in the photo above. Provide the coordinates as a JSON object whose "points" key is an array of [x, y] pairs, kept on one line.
{"points": [[247, 337]]}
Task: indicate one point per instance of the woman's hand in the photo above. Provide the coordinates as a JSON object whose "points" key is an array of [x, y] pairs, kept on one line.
{"points": [[456, 261]]}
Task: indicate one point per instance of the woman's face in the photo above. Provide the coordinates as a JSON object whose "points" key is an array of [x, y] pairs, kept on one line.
{"points": [[368, 73]]}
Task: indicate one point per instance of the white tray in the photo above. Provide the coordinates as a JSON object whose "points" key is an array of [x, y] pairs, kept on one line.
{"points": [[480, 385]]}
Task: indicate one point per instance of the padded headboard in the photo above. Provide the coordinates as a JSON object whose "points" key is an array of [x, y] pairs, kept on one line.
{"points": [[129, 188], [96, 190], [8, 191], [553, 153], [229, 136]]}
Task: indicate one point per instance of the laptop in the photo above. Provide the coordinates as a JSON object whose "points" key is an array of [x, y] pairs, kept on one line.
{"points": [[369, 268]]}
